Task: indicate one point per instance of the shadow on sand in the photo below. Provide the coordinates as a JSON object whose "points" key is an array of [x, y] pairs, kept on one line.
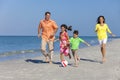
{"points": [[35, 61], [43, 62], [40, 61], [89, 60]]}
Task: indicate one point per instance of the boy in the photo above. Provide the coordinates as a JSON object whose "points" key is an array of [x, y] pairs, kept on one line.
{"points": [[75, 42]]}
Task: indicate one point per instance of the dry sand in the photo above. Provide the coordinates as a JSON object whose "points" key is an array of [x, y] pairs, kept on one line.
{"points": [[90, 66]]}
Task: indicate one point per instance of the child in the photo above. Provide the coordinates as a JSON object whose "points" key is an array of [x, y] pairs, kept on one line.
{"points": [[102, 29], [75, 41], [64, 42]]}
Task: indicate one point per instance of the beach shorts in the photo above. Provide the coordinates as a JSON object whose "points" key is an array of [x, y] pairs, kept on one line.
{"points": [[74, 51], [104, 41]]}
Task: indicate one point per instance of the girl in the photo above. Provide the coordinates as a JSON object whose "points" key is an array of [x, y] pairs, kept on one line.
{"points": [[64, 42], [102, 29]]}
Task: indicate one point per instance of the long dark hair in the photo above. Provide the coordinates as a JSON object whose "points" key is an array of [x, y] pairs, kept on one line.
{"points": [[98, 19], [66, 27]]}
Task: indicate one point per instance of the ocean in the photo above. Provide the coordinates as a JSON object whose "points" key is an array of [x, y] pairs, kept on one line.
{"points": [[17, 47]]}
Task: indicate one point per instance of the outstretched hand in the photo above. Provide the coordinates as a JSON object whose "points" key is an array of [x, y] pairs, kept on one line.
{"points": [[39, 35], [113, 35], [56, 40], [88, 45], [52, 35]]}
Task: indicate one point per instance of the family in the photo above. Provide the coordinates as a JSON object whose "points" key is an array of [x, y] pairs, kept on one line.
{"points": [[48, 28]]}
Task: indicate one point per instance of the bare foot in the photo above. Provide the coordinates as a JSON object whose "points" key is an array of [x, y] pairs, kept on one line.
{"points": [[46, 59], [75, 65], [50, 62], [103, 60], [50, 55]]}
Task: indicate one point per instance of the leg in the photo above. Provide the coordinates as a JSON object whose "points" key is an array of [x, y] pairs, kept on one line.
{"points": [[75, 57], [78, 58], [43, 49], [69, 53], [50, 45], [61, 56], [103, 51]]}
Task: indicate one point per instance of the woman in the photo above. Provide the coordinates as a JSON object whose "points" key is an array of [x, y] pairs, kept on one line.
{"points": [[102, 29]]}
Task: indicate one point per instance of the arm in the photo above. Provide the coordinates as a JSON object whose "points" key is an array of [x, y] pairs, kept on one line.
{"points": [[108, 30], [86, 43], [55, 28], [58, 38], [67, 37], [113, 35], [39, 28], [96, 28], [81, 40], [68, 43]]}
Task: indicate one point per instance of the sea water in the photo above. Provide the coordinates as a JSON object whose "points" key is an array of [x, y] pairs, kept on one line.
{"points": [[17, 47]]}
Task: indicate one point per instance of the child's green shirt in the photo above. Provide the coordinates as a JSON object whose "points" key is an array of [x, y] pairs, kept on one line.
{"points": [[75, 42]]}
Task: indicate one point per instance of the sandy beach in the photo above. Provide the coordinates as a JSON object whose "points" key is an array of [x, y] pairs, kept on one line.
{"points": [[90, 66]]}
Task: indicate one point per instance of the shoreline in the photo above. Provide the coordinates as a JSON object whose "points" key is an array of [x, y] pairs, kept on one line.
{"points": [[31, 53], [90, 67]]}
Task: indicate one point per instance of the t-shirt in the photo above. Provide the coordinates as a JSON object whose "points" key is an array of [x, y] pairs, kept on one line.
{"points": [[102, 31], [75, 42], [48, 28]]}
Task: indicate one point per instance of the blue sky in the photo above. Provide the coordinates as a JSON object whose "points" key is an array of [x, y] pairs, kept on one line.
{"points": [[21, 17]]}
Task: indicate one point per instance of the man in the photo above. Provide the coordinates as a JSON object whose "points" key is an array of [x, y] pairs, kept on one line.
{"points": [[48, 28]]}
